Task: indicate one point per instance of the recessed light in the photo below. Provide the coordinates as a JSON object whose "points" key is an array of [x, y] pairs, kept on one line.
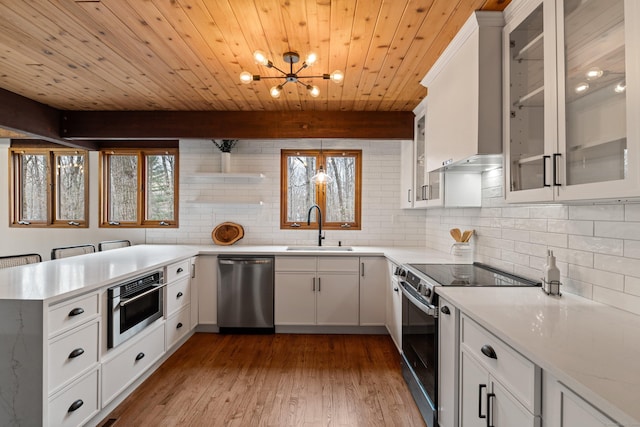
{"points": [[620, 87], [581, 87], [594, 73]]}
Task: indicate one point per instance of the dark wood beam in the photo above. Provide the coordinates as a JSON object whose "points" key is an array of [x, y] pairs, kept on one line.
{"points": [[101, 125], [35, 120]]}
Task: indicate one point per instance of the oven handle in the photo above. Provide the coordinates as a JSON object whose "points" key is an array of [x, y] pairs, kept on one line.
{"points": [[429, 310], [125, 301]]}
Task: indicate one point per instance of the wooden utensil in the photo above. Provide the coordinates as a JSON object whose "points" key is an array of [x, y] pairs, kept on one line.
{"points": [[466, 235], [456, 234]]}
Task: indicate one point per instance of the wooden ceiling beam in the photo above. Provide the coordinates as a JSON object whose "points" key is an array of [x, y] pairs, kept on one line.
{"points": [[33, 119], [102, 125]]}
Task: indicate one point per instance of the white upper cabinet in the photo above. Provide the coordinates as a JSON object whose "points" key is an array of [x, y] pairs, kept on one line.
{"points": [[427, 187], [465, 86], [571, 100]]}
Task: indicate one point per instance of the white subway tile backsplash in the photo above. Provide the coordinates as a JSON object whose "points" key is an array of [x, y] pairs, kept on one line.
{"points": [[632, 212], [584, 228], [596, 244], [632, 249], [632, 285], [613, 212], [617, 299], [549, 211], [626, 266], [550, 239], [597, 277], [616, 229]]}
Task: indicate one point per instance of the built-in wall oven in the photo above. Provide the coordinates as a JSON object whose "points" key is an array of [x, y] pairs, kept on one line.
{"points": [[134, 305], [420, 321]]}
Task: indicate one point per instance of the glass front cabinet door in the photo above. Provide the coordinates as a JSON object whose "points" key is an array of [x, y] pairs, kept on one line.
{"points": [[572, 69]]}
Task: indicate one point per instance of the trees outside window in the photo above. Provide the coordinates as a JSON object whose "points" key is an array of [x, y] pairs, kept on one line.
{"points": [[48, 187], [339, 198], [139, 188]]}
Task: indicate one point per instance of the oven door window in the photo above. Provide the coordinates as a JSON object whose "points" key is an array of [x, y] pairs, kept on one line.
{"points": [[136, 311], [419, 345]]}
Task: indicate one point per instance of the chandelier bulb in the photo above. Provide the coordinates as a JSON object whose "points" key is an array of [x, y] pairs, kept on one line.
{"points": [[246, 77], [314, 91], [337, 76], [311, 59], [261, 57], [276, 91]]}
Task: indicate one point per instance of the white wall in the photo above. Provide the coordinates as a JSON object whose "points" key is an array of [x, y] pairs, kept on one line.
{"points": [[597, 246], [42, 240], [383, 223]]}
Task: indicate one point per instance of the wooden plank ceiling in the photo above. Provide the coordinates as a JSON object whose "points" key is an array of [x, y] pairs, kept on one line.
{"points": [[186, 55]]}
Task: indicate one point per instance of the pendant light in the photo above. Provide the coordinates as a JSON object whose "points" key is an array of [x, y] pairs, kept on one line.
{"points": [[321, 176]]}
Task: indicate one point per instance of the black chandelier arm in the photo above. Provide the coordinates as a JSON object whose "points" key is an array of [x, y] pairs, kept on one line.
{"points": [[304, 65], [273, 66], [323, 76], [266, 77]]}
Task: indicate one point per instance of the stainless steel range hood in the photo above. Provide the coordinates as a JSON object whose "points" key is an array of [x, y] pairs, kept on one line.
{"points": [[474, 164]]}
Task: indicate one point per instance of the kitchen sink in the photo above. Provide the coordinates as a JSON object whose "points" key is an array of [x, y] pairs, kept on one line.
{"points": [[319, 248]]}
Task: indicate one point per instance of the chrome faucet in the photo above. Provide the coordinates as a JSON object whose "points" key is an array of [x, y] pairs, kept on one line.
{"points": [[320, 236]]}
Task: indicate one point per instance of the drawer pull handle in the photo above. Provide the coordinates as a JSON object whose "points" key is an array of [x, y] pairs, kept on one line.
{"points": [[480, 387], [395, 289], [489, 396], [445, 310], [179, 325], [179, 294], [75, 405], [488, 351], [76, 312], [179, 270], [140, 356], [75, 353]]}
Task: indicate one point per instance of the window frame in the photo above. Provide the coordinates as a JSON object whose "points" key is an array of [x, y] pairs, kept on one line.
{"points": [[320, 190], [141, 193], [51, 154]]}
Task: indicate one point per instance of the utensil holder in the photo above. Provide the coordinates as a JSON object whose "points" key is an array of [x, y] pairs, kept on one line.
{"points": [[462, 253]]}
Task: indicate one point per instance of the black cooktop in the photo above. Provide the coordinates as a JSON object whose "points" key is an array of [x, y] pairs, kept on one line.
{"points": [[475, 274]]}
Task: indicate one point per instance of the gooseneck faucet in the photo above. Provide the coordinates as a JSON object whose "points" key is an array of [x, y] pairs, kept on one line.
{"points": [[320, 236]]}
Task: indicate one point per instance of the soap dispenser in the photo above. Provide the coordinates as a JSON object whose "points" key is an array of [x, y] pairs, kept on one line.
{"points": [[551, 279]]}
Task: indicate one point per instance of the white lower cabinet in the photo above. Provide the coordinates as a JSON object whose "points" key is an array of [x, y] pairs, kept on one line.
{"points": [[131, 361], [498, 386], [177, 326], [373, 284], [564, 408], [317, 291], [394, 307], [448, 351], [75, 404]]}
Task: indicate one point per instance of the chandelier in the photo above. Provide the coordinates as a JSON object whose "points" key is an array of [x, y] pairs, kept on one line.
{"points": [[290, 77]]}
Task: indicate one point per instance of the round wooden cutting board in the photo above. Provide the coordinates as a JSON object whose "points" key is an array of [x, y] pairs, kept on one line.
{"points": [[227, 233]]}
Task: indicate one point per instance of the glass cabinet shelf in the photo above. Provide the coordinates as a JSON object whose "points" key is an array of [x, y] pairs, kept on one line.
{"points": [[534, 98], [532, 51]]}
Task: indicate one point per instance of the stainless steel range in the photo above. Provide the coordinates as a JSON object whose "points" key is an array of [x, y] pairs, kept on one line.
{"points": [[420, 321]]}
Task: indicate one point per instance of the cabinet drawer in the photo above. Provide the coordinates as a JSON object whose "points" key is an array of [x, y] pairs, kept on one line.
{"points": [[296, 263], [71, 313], [75, 405], [178, 326], [72, 353], [124, 368], [339, 264], [516, 372], [178, 295], [178, 270]]}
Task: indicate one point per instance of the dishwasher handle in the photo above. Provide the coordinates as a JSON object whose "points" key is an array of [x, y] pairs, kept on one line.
{"points": [[231, 261]]}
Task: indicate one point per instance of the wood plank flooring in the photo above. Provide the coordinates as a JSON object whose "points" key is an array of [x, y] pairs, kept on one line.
{"points": [[274, 380]]}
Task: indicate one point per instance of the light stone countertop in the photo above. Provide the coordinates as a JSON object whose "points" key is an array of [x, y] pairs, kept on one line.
{"points": [[61, 279], [592, 348]]}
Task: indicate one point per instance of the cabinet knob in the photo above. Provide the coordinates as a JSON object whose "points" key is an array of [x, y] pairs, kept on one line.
{"points": [[395, 289], [179, 270], [140, 356], [445, 310], [179, 294], [488, 351], [76, 311], [179, 325], [75, 405], [75, 353]]}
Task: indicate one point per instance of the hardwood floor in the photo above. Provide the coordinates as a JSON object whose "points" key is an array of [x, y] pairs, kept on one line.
{"points": [[274, 380]]}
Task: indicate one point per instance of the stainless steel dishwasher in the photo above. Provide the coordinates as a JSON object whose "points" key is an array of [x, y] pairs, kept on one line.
{"points": [[245, 294]]}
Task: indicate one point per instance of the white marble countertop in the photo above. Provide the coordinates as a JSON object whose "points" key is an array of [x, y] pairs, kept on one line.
{"points": [[592, 348], [64, 278]]}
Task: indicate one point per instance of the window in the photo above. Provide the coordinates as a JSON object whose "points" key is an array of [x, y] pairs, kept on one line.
{"points": [[48, 187], [139, 188], [339, 198]]}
